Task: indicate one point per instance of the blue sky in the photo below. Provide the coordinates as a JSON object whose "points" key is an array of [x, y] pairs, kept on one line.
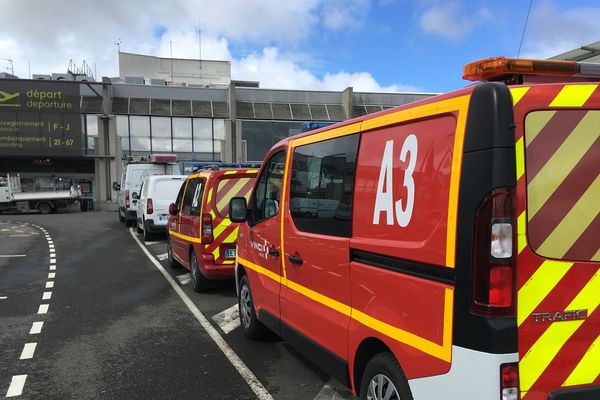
{"points": [[372, 45]]}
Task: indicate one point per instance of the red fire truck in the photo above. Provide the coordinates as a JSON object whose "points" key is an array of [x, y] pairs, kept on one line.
{"points": [[445, 249]]}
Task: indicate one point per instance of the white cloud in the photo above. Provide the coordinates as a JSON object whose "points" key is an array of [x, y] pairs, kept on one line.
{"points": [[446, 21], [552, 31], [338, 14], [275, 70]]}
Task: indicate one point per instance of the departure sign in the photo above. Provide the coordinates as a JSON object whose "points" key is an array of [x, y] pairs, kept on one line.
{"points": [[40, 118]]}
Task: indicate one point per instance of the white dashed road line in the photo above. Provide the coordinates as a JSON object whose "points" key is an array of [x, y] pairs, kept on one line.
{"points": [[47, 296], [3, 297], [43, 309], [12, 255], [252, 381], [49, 284], [162, 257], [16, 385], [53, 268], [28, 351], [184, 279], [36, 328], [228, 320], [333, 390]]}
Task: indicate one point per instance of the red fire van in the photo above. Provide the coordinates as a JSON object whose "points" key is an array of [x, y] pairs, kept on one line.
{"points": [[445, 249], [200, 235]]}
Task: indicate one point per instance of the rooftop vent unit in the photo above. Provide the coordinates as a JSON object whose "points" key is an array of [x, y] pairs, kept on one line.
{"points": [[134, 80], [62, 77], [42, 76]]}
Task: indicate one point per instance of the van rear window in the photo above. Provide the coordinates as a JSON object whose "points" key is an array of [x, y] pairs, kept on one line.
{"points": [[562, 165], [229, 188]]}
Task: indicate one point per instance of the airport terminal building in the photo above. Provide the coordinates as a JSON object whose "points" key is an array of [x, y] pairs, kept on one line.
{"points": [[69, 129]]}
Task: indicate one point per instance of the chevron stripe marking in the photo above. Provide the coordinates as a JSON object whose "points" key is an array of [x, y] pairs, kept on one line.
{"points": [[573, 95], [588, 368], [518, 93]]}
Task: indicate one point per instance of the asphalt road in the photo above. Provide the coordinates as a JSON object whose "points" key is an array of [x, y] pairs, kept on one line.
{"points": [[117, 327]]}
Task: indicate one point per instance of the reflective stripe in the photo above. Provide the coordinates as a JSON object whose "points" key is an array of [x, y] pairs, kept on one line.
{"points": [[442, 351], [535, 124], [518, 93], [185, 237], [520, 155], [521, 232], [588, 368], [573, 95], [541, 354], [572, 226], [535, 290], [231, 172], [562, 162]]}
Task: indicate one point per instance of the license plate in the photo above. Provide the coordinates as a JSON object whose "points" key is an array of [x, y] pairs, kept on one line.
{"points": [[230, 253]]}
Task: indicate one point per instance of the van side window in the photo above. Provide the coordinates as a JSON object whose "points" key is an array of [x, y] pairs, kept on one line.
{"points": [[322, 186], [267, 196], [192, 198], [179, 197]]}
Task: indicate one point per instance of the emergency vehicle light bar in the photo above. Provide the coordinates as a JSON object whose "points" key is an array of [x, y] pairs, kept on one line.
{"points": [[494, 67]]}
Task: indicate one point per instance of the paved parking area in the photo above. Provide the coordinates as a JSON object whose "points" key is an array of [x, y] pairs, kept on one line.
{"points": [[101, 315]]}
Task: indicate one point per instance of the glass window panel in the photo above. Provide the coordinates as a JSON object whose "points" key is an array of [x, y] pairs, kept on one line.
{"points": [[92, 125], [203, 146], [161, 144], [90, 143], [182, 128], [219, 129], [122, 126], [182, 145], [202, 128], [218, 145], [140, 127], [161, 127], [140, 144], [125, 143]]}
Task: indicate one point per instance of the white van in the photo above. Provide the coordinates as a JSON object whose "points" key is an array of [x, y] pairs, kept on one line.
{"points": [[156, 193], [131, 181]]}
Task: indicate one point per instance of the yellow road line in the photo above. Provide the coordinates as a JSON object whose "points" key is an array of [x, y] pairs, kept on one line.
{"points": [[572, 226], [562, 162], [541, 283], [573, 95], [588, 368]]}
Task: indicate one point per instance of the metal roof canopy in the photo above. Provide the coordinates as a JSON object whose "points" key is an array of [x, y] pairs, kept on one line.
{"points": [[589, 53]]}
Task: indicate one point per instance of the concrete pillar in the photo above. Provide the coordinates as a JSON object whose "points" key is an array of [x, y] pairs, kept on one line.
{"points": [[348, 101], [231, 133]]}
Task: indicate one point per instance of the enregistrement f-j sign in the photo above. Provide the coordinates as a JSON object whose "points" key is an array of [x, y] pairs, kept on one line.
{"points": [[40, 118]]}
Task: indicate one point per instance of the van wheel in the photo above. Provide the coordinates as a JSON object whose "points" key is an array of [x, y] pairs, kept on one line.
{"points": [[147, 235], [129, 223], [251, 326], [44, 208], [199, 282], [172, 262], [384, 380], [137, 227], [121, 218]]}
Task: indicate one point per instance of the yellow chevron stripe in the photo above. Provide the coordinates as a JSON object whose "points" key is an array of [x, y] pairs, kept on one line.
{"points": [[221, 227], [224, 199], [572, 226], [541, 354], [232, 236], [534, 123], [573, 95], [562, 162], [518, 93], [443, 351], [231, 172], [520, 155], [588, 368], [541, 283], [521, 232], [596, 256], [209, 198]]}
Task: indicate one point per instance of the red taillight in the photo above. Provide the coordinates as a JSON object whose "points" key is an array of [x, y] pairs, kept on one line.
{"points": [[493, 271], [149, 206], [127, 199], [207, 231], [509, 381]]}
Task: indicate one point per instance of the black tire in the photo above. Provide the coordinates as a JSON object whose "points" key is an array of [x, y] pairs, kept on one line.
{"points": [[44, 208], [173, 263], [251, 326], [121, 218], [146, 232], [137, 227], [199, 281], [382, 371], [130, 224]]}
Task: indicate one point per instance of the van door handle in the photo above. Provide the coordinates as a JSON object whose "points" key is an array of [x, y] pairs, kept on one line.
{"points": [[295, 260], [273, 252]]}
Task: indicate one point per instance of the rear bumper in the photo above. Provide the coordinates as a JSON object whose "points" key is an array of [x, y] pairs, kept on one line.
{"points": [[155, 228], [131, 215], [581, 393], [215, 271]]}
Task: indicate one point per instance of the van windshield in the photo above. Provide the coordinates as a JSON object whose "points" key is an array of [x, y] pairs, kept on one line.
{"points": [[139, 172], [563, 183]]}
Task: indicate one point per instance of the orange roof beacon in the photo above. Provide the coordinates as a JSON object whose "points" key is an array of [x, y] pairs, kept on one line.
{"points": [[201, 237], [444, 249]]}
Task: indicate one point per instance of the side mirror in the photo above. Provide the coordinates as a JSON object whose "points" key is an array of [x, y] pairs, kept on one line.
{"points": [[135, 196], [172, 209], [116, 187], [238, 211]]}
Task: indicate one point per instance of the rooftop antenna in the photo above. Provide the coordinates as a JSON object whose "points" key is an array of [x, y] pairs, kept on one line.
{"points": [[12, 66], [524, 28], [200, 52], [118, 44]]}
